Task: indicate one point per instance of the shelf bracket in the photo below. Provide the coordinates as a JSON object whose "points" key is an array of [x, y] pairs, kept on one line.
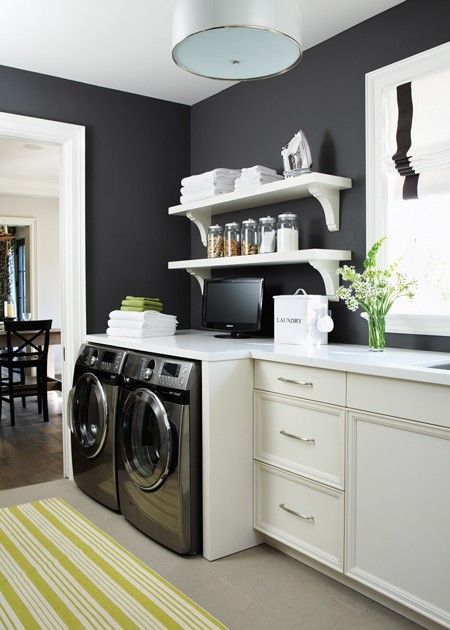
{"points": [[328, 271], [329, 200], [200, 275], [202, 220]]}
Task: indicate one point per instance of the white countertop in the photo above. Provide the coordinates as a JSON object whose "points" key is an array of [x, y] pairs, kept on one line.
{"points": [[203, 346]]}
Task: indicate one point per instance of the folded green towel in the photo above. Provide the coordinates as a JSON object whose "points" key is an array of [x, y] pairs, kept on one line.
{"points": [[141, 304], [141, 309], [142, 299]]}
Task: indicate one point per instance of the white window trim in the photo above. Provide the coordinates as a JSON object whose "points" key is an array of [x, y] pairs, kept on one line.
{"points": [[376, 189], [32, 223]]}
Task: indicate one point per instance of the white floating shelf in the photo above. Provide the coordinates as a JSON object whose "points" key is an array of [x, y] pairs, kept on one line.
{"points": [[325, 188], [325, 261]]}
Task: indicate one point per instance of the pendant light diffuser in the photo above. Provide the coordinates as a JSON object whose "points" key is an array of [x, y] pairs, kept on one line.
{"points": [[237, 39]]}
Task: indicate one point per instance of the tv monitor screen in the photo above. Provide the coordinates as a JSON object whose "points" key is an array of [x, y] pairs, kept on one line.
{"points": [[234, 305]]}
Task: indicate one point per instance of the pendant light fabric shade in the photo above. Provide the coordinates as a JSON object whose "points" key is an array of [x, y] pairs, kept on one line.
{"points": [[237, 39]]}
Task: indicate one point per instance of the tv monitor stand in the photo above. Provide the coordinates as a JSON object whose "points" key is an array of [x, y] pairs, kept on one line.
{"points": [[234, 335]]}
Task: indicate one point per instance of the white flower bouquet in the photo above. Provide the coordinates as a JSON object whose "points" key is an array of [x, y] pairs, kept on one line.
{"points": [[375, 291]]}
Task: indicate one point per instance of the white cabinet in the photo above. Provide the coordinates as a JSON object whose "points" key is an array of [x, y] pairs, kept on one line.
{"points": [[304, 515], [398, 511], [299, 451], [391, 438]]}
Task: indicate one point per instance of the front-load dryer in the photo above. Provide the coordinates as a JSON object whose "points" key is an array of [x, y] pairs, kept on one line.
{"points": [[159, 454], [93, 421]]}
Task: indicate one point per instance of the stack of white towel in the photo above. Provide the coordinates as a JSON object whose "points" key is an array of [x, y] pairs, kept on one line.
{"points": [[256, 176], [145, 324], [216, 182]]}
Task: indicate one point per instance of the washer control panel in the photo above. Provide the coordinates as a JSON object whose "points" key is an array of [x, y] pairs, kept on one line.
{"points": [[173, 374], [102, 358], [164, 371]]}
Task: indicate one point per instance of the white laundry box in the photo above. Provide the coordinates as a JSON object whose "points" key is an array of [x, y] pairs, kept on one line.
{"points": [[302, 319]]}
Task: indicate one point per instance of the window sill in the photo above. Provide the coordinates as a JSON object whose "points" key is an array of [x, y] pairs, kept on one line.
{"points": [[418, 324]]}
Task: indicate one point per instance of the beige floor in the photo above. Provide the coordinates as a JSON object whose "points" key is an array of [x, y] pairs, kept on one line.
{"points": [[257, 589]]}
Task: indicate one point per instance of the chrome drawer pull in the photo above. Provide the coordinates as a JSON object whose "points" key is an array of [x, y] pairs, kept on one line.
{"points": [[293, 382], [305, 518], [297, 437]]}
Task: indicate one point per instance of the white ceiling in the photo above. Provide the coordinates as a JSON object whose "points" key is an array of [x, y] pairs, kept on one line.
{"points": [[29, 171], [126, 45]]}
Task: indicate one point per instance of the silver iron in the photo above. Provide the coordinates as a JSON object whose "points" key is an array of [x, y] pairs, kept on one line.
{"points": [[297, 156]]}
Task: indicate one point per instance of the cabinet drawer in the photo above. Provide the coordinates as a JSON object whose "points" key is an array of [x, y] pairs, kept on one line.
{"points": [[302, 437], [302, 514], [423, 402], [297, 380]]}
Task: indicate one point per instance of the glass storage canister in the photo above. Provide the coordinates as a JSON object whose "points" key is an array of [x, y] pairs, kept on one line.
{"points": [[215, 241], [232, 239], [287, 232], [267, 235], [249, 237]]}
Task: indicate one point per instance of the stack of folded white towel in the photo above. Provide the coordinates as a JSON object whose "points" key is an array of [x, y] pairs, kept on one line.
{"points": [[145, 324], [256, 176], [216, 182]]}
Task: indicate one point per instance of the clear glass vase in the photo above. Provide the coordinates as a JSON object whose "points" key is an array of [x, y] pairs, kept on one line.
{"points": [[377, 329]]}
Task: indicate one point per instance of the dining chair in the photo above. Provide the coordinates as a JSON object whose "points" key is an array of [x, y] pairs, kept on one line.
{"points": [[27, 347]]}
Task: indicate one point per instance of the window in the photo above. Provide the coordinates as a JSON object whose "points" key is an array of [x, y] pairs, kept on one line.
{"points": [[21, 278], [418, 230]]}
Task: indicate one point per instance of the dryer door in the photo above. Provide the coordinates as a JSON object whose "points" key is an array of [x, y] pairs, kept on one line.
{"points": [[89, 414], [146, 439]]}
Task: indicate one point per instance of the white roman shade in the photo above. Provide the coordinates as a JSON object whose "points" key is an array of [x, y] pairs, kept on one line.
{"points": [[420, 119]]}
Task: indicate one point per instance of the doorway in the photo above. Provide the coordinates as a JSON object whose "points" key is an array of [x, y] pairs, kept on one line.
{"points": [[70, 141]]}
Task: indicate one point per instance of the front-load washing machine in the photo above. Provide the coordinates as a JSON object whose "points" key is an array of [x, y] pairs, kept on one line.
{"points": [[92, 410], [159, 454]]}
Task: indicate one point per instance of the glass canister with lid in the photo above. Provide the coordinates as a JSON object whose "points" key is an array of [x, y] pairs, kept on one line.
{"points": [[249, 237], [215, 241], [232, 239], [266, 235], [287, 232]]}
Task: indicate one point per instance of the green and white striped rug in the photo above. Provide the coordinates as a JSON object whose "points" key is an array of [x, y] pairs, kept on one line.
{"points": [[57, 570]]}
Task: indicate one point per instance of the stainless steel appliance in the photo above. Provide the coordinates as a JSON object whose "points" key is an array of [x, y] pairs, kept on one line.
{"points": [[159, 454], [297, 156], [93, 415]]}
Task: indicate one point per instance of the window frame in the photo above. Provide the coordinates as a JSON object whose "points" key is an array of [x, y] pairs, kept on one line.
{"points": [[376, 183]]}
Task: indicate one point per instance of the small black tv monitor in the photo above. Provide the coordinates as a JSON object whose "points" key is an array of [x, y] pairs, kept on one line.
{"points": [[233, 305]]}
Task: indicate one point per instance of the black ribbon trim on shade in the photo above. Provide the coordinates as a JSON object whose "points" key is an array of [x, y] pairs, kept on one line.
{"points": [[410, 187], [403, 136]]}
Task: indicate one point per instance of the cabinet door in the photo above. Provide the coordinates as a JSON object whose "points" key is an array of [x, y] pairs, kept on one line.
{"points": [[398, 511]]}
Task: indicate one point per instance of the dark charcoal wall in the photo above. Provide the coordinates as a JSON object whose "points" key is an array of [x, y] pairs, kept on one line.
{"points": [[132, 177], [248, 124]]}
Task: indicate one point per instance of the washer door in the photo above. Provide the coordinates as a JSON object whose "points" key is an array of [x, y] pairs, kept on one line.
{"points": [[146, 439], [89, 414]]}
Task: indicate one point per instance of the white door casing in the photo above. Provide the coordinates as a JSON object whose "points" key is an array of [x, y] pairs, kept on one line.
{"points": [[71, 139]]}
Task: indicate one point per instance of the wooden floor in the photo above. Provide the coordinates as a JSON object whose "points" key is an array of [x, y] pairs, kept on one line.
{"points": [[31, 452]]}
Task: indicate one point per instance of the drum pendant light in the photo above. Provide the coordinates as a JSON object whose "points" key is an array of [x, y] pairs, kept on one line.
{"points": [[237, 40]]}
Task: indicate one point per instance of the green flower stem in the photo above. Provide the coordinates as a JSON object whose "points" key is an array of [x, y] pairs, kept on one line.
{"points": [[377, 327]]}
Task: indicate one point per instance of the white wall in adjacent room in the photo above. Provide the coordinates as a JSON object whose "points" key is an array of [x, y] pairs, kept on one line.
{"points": [[46, 212]]}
